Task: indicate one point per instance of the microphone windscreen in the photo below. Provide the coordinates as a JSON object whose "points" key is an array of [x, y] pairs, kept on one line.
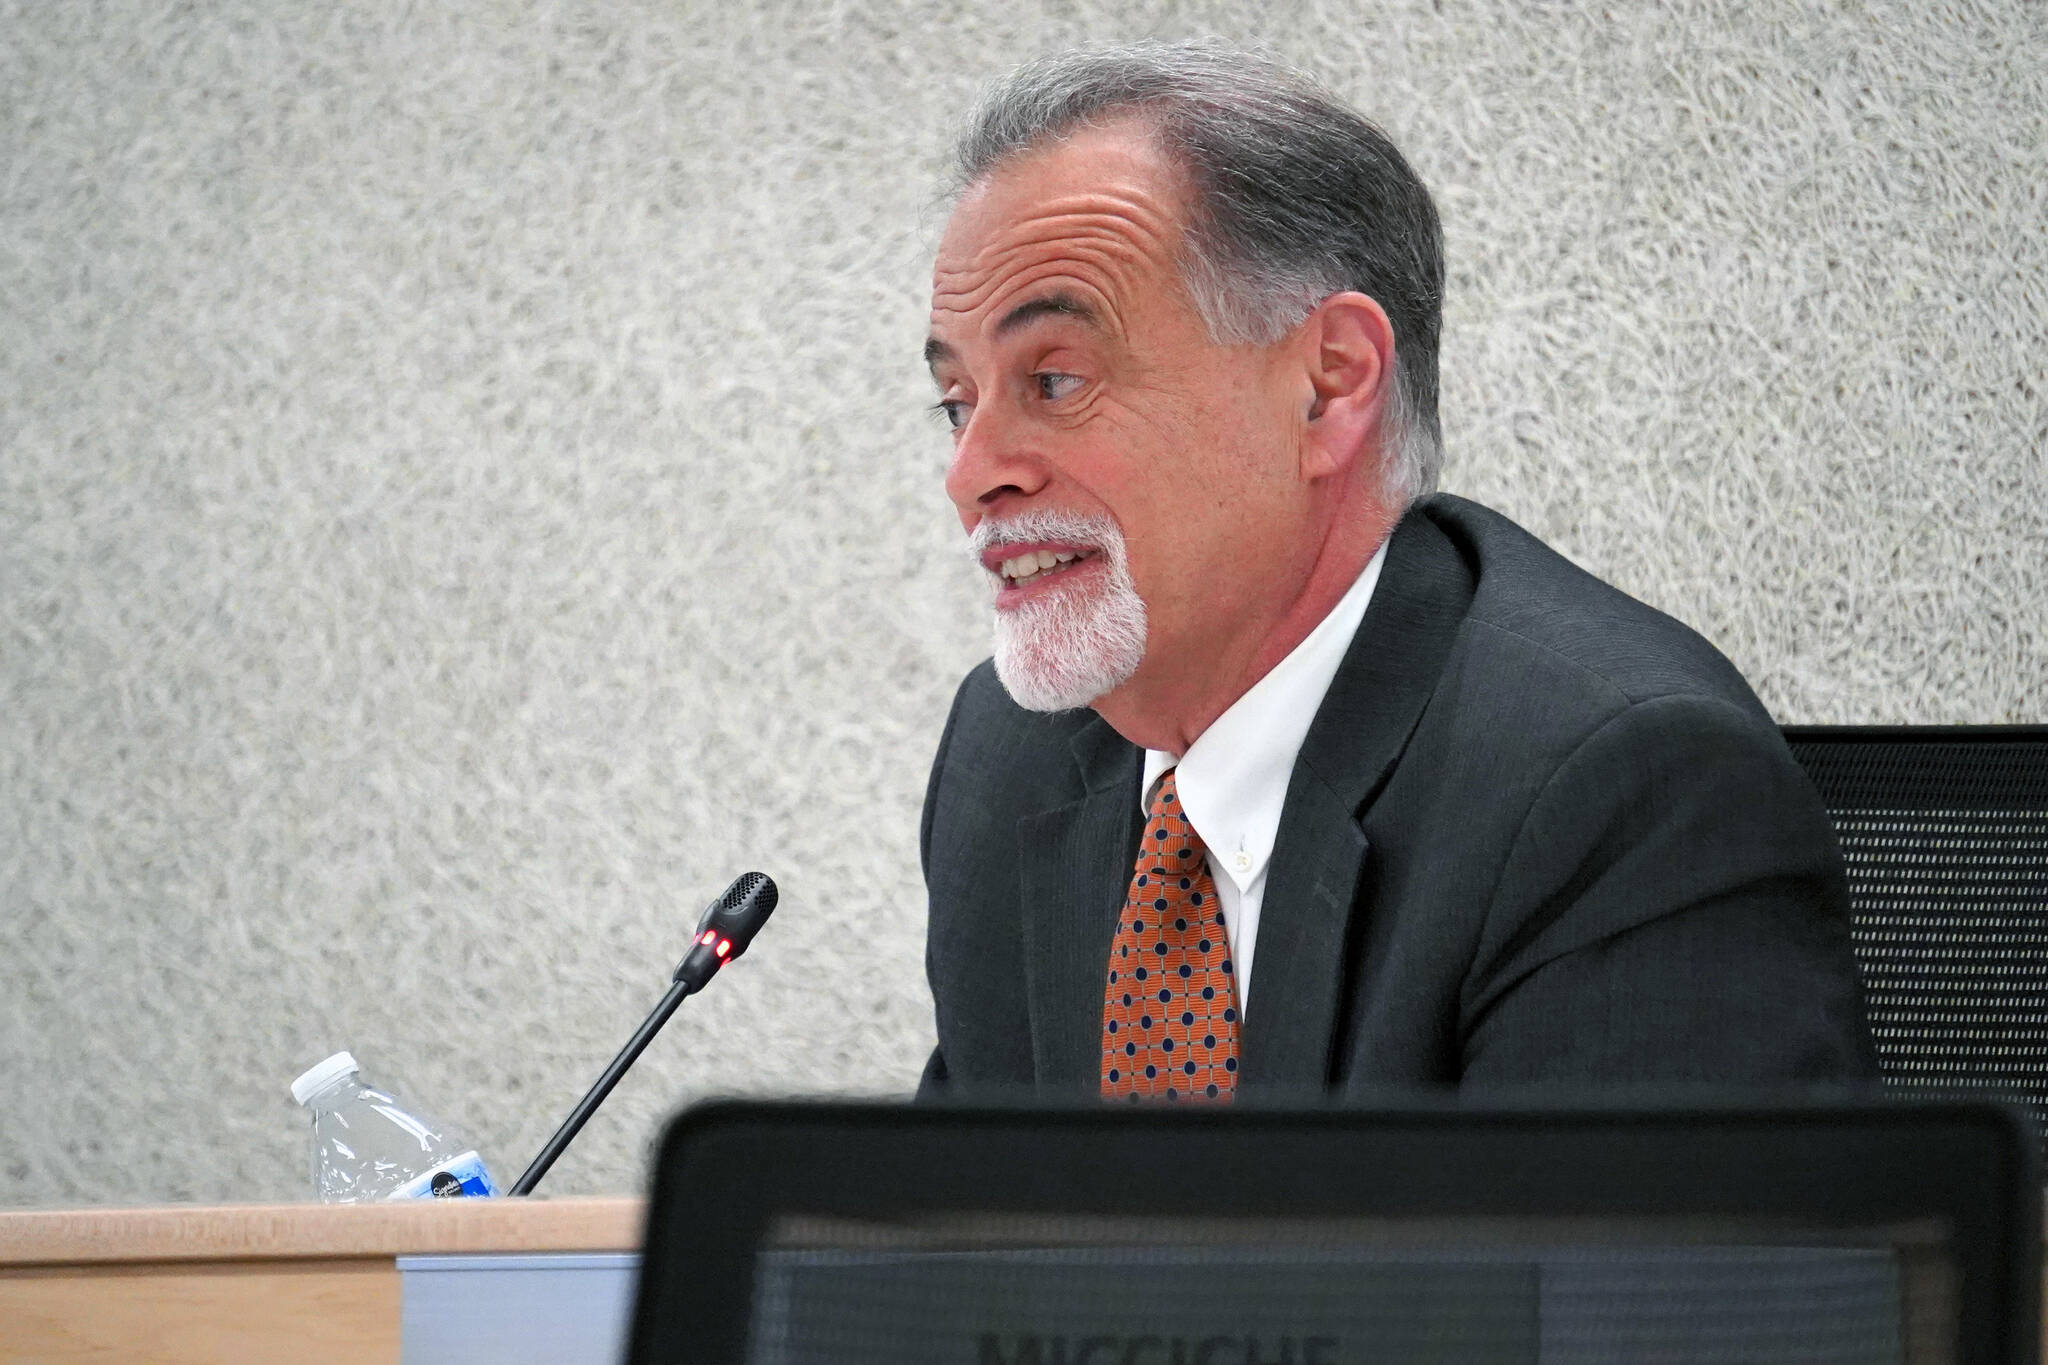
{"points": [[745, 888]]}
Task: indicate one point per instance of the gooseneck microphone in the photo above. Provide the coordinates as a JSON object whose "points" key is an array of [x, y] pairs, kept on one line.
{"points": [[727, 927]]}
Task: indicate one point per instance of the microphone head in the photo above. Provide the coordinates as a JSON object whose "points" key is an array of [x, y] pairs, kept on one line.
{"points": [[729, 925], [751, 891]]}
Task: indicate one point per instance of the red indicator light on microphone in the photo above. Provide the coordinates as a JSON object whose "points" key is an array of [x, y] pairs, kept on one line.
{"points": [[724, 947], [709, 935]]}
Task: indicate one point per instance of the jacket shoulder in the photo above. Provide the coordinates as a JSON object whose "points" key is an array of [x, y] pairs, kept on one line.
{"points": [[997, 762], [989, 732], [1533, 603]]}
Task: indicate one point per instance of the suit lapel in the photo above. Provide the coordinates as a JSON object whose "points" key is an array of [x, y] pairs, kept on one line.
{"points": [[1074, 867], [1284, 1045], [1373, 705]]}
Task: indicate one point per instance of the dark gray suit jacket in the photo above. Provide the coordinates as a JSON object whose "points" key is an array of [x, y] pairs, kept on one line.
{"points": [[1538, 832]]}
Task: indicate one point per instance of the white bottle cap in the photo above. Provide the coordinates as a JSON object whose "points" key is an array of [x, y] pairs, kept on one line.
{"points": [[323, 1074]]}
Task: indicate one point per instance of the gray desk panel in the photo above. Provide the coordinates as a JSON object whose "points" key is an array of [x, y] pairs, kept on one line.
{"points": [[553, 1309]]}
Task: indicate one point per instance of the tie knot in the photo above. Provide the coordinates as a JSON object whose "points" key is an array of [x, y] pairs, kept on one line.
{"points": [[1167, 828]]}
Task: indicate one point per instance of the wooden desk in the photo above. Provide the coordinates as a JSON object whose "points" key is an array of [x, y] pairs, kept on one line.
{"points": [[305, 1283]]}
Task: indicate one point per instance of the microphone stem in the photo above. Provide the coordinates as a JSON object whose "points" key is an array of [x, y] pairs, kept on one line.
{"points": [[587, 1106]]}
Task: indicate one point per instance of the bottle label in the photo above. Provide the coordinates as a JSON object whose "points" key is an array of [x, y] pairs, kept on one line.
{"points": [[455, 1178]]}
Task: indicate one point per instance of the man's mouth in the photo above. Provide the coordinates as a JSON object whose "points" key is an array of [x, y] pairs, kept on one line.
{"points": [[1032, 566]]}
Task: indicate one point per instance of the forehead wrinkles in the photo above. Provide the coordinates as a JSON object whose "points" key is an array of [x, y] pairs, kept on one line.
{"points": [[1106, 242]]}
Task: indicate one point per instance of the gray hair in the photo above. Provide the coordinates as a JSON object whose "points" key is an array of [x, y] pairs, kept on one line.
{"points": [[1296, 197]]}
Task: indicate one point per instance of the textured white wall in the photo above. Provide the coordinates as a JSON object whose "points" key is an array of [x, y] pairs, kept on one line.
{"points": [[464, 496]]}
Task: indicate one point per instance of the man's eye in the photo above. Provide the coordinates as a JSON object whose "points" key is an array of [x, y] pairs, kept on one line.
{"points": [[953, 411], [1053, 386]]}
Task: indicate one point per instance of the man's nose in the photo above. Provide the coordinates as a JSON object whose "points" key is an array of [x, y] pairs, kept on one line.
{"points": [[993, 459]]}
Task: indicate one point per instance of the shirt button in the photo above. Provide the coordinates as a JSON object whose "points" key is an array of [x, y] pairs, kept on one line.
{"points": [[1241, 860]]}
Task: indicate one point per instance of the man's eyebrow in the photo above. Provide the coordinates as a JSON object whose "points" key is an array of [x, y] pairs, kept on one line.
{"points": [[1058, 305]]}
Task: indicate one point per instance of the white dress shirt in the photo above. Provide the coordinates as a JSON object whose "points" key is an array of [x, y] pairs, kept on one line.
{"points": [[1233, 778]]}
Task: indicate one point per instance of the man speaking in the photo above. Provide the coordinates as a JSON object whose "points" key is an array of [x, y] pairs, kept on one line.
{"points": [[1287, 776]]}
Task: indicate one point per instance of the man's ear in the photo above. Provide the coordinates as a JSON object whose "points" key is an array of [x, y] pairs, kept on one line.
{"points": [[1347, 351]]}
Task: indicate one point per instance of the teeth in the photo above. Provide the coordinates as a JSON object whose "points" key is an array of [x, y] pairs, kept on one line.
{"points": [[1023, 568]]}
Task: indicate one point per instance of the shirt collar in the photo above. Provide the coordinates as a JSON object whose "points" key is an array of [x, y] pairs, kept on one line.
{"points": [[1233, 779]]}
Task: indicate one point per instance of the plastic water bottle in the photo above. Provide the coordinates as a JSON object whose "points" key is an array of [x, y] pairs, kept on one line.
{"points": [[366, 1147]]}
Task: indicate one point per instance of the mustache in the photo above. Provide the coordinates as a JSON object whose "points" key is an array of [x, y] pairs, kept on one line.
{"points": [[1096, 530]]}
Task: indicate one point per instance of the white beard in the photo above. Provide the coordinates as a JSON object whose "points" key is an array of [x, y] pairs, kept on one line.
{"points": [[1073, 644]]}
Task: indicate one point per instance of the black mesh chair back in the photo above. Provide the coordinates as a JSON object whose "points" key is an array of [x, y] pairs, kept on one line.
{"points": [[1945, 833]]}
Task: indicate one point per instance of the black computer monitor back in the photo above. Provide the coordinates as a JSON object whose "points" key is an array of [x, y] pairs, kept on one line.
{"points": [[1867, 1233]]}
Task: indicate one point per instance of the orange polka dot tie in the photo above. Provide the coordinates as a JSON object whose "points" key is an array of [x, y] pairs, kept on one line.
{"points": [[1169, 1009]]}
